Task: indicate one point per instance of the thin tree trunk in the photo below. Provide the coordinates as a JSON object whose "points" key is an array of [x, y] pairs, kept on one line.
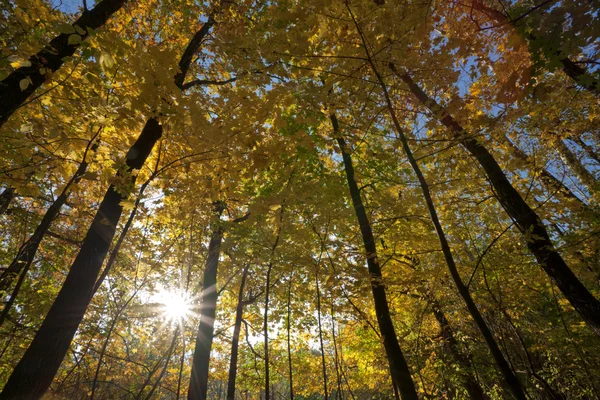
{"points": [[266, 332], [36, 369], [398, 365], [510, 378], [537, 238], [503, 365], [267, 292], [578, 74], [323, 364], [236, 338], [289, 346], [26, 254], [339, 394], [51, 58], [200, 364], [164, 369], [473, 388]]}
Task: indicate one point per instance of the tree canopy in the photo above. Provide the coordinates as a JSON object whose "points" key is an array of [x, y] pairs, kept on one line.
{"points": [[353, 199]]}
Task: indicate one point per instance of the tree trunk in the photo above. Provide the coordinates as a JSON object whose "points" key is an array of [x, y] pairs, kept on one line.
{"points": [[266, 332], [473, 388], [36, 369], [323, 364], [289, 347], [51, 58], [537, 238], [578, 74], [336, 359], [28, 250], [398, 366], [236, 338], [204, 338]]}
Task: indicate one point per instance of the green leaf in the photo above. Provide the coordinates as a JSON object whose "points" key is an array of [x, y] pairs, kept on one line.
{"points": [[24, 83], [80, 30], [74, 39], [66, 29]]}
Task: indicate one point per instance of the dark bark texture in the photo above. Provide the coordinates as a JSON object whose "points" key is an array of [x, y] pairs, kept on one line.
{"points": [[398, 365], [34, 373]]}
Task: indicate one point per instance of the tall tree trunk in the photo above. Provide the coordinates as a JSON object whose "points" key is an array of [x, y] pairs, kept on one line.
{"points": [[267, 293], [578, 74], [28, 250], [266, 332], [528, 222], [289, 346], [51, 58], [473, 388], [501, 362], [398, 366], [164, 369], [36, 369], [336, 359], [204, 337], [323, 364], [235, 340], [510, 378]]}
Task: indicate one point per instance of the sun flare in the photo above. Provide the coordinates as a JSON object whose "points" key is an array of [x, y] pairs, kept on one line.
{"points": [[176, 306]]}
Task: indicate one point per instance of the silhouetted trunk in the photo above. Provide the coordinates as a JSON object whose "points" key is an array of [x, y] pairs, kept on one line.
{"points": [[574, 164], [336, 357], [398, 366], [323, 364], [235, 340], [36, 369], [24, 258], [537, 238], [473, 388], [289, 345], [51, 58], [5, 198], [164, 369], [204, 337], [266, 332], [578, 74]]}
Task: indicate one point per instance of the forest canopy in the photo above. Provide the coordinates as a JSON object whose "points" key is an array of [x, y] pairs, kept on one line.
{"points": [[300, 199]]}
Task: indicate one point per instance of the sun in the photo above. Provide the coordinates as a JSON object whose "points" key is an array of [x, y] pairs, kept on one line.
{"points": [[176, 306]]}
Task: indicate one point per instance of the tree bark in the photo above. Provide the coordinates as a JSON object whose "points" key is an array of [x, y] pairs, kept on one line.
{"points": [[28, 250], [527, 221], [235, 340], [51, 58], [398, 365], [34, 373], [323, 364], [200, 364], [471, 385], [289, 346]]}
